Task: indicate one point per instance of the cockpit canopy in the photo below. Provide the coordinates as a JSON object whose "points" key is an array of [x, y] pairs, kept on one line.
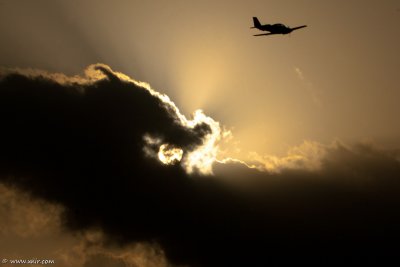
{"points": [[280, 25]]}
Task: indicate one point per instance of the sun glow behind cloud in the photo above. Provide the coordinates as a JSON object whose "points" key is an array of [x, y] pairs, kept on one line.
{"points": [[205, 155], [198, 160]]}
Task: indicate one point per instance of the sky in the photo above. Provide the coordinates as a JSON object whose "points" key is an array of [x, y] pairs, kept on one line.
{"points": [[299, 133]]}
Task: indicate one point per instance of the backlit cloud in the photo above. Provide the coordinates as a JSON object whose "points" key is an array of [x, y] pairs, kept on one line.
{"points": [[197, 137], [102, 151]]}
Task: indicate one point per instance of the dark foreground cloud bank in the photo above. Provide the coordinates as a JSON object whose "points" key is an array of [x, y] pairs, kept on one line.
{"points": [[80, 144]]}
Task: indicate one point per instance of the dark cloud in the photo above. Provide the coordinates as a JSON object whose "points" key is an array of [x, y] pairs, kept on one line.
{"points": [[80, 144], [31, 229]]}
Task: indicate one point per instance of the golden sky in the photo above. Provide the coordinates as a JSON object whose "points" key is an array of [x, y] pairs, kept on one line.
{"points": [[102, 170]]}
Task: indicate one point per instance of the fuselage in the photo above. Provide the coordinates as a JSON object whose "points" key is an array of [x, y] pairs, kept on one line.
{"points": [[275, 28]]}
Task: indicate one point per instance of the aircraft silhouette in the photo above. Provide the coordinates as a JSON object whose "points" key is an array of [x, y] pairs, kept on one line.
{"points": [[273, 28]]}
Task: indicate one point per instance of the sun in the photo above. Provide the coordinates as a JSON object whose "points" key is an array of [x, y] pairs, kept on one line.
{"points": [[168, 154]]}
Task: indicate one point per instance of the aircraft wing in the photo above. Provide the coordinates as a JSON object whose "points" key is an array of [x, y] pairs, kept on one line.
{"points": [[299, 27], [261, 34]]}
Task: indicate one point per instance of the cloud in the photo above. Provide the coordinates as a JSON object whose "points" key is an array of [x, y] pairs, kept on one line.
{"points": [[104, 98], [31, 229], [16, 209], [308, 156], [91, 145]]}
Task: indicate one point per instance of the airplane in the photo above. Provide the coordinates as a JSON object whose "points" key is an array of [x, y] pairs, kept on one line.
{"points": [[273, 28]]}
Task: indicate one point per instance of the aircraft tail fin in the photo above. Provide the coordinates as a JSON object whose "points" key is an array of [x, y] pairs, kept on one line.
{"points": [[256, 22]]}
